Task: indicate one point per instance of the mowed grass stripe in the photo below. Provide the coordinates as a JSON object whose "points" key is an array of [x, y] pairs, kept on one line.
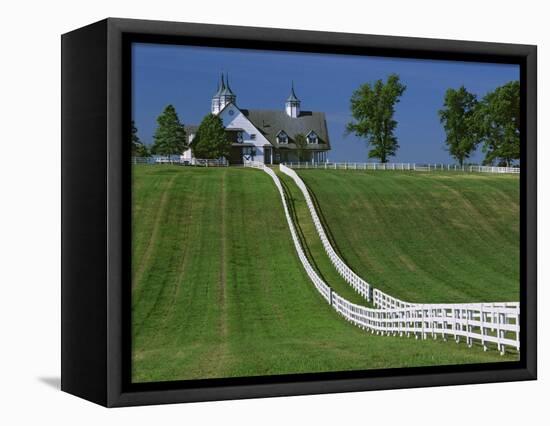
{"points": [[425, 237], [166, 319], [273, 320]]}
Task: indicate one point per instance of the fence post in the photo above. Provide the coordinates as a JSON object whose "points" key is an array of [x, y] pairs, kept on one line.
{"points": [[469, 317], [445, 324], [501, 333], [423, 323], [516, 319], [483, 328], [432, 323]]}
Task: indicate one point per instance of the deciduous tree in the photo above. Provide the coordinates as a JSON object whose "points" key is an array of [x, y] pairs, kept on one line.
{"points": [[498, 124], [211, 140], [373, 109], [300, 141], [457, 117]]}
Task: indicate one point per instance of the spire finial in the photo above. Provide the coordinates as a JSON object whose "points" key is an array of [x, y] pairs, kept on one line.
{"points": [[292, 97]]}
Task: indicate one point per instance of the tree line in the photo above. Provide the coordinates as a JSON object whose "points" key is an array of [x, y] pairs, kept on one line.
{"points": [[170, 137], [492, 122]]}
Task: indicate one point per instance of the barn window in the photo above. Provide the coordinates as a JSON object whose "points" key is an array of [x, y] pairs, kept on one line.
{"points": [[282, 137], [312, 138]]}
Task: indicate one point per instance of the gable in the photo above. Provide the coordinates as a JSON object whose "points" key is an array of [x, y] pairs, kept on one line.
{"points": [[233, 118]]}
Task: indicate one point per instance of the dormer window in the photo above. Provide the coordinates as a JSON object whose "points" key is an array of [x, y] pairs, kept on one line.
{"points": [[312, 138], [282, 138]]}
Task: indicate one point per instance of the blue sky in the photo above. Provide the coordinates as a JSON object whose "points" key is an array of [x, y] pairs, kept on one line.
{"points": [[187, 76]]}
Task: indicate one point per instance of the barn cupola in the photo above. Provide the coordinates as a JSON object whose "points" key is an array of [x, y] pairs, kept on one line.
{"points": [[226, 94], [216, 98], [292, 105]]}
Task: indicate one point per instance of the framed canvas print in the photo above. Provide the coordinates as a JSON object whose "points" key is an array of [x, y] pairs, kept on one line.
{"points": [[252, 212]]}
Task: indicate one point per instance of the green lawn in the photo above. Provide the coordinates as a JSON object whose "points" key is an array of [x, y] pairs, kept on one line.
{"points": [[425, 237], [218, 290]]}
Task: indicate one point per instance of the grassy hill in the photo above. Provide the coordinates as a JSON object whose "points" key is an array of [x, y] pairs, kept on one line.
{"points": [[218, 290], [425, 237]]}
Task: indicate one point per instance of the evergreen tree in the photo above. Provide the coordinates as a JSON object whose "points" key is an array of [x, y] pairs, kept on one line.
{"points": [[211, 141], [138, 148], [457, 117], [170, 137], [498, 124], [373, 108]]}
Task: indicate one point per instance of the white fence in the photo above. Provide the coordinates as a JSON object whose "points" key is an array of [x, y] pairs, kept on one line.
{"points": [[201, 162], [474, 322], [359, 284], [496, 323], [403, 166]]}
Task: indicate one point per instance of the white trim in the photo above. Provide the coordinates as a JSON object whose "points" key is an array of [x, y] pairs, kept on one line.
{"points": [[316, 138], [286, 137]]}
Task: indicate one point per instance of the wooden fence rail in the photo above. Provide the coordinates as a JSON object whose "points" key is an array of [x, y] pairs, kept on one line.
{"points": [[487, 323]]}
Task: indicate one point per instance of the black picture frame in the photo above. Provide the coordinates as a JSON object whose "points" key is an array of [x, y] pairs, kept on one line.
{"points": [[96, 86]]}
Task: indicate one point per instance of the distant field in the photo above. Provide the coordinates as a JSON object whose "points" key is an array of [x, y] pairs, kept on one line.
{"points": [[218, 290], [425, 237]]}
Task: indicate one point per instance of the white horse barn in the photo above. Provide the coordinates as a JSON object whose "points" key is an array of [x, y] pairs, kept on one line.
{"points": [[266, 136]]}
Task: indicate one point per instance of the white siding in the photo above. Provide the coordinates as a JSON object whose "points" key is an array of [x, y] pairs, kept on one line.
{"points": [[237, 120], [188, 154]]}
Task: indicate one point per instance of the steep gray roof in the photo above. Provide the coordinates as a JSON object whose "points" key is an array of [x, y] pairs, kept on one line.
{"points": [[292, 97], [271, 122], [221, 86], [226, 89]]}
